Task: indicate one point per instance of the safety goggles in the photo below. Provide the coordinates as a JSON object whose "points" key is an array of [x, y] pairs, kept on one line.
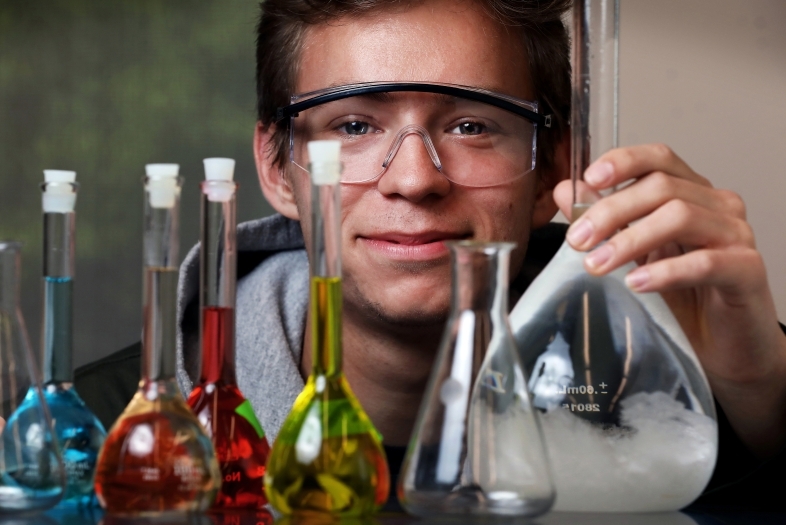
{"points": [[474, 137]]}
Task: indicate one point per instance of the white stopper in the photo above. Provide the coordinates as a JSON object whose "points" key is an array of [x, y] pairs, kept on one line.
{"points": [[162, 170], [218, 168], [59, 176], [325, 164], [162, 184], [218, 174], [59, 194]]}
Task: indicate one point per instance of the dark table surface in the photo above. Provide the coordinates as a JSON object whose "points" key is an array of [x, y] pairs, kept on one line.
{"points": [[96, 517]]}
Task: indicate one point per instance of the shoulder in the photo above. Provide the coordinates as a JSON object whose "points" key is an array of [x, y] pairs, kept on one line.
{"points": [[107, 385]]}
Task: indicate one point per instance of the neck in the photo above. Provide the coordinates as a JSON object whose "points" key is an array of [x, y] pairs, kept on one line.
{"points": [[387, 367], [218, 345]]}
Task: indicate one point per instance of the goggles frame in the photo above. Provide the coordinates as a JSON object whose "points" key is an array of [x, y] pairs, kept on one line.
{"points": [[304, 101]]}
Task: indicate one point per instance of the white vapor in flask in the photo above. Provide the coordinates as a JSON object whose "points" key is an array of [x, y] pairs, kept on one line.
{"points": [[626, 410]]}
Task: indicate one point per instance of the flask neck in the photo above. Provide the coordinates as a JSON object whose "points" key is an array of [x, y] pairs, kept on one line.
{"points": [[218, 277], [159, 332], [10, 265], [326, 297], [58, 283], [480, 277]]}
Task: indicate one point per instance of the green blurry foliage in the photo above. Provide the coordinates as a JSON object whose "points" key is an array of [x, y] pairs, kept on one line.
{"points": [[104, 87]]}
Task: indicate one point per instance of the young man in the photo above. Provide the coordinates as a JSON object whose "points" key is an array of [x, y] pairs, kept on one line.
{"points": [[692, 240]]}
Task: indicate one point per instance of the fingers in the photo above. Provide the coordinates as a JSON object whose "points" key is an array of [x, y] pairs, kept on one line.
{"points": [[622, 164], [736, 271], [644, 197], [684, 223]]}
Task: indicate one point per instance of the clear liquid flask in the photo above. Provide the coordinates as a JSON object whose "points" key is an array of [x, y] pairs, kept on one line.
{"points": [[79, 433], [241, 447], [32, 475], [628, 414], [477, 447], [328, 457], [157, 458]]}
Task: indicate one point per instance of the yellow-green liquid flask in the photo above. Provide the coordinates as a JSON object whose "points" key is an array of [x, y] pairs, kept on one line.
{"points": [[328, 457]]}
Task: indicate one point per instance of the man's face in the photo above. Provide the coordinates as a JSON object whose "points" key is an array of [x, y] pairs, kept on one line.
{"points": [[396, 268]]}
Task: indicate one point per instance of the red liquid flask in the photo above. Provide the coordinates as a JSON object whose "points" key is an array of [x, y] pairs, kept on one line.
{"points": [[228, 417]]}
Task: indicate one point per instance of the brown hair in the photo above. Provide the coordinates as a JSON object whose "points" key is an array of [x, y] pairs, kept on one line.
{"points": [[282, 25]]}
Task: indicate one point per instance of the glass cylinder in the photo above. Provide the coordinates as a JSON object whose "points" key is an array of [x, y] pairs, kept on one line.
{"points": [[79, 432], [228, 417], [328, 457], [477, 446], [157, 458], [595, 91], [32, 474]]}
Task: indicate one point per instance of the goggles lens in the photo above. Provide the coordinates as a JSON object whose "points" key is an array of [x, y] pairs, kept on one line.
{"points": [[472, 143]]}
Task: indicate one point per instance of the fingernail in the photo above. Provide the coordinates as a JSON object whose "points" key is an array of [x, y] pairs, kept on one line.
{"points": [[579, 232], [637, 279], [599, 257], [599, 174]]}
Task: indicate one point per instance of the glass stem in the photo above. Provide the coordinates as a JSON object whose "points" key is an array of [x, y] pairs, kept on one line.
{"points": [[159, 333], [326, 297], [218, 276], [57, 326]]}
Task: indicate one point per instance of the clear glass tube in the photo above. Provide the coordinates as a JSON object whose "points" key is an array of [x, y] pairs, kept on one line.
{"points": [[477, 447], [595, 90], [328, 457], [79, 432], [157, 458], [32, 473], [241, 446]]}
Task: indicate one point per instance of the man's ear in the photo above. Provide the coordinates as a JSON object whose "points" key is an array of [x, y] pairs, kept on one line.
{"points": [[545, 208], [276, 188]]}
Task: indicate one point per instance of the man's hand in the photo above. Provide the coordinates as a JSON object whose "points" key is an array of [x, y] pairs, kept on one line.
{"points": [[693, 244]]}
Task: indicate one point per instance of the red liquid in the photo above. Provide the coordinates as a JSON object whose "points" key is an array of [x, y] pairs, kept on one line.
{"points": [[240, 450]]}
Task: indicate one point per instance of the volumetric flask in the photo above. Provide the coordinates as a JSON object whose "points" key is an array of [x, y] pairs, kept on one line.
{"points": [[32, 476], [477, 447]]}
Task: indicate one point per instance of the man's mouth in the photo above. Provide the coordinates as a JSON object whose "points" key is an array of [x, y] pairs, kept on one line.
{"points": [[407, 246]]}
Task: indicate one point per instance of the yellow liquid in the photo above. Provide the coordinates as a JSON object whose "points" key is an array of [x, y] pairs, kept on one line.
{"points": [[328, 457]]}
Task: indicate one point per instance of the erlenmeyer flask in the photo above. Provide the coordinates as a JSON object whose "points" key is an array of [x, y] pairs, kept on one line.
{"points": [[157, 459], [32, 476], [477, 446], [628, 414]]}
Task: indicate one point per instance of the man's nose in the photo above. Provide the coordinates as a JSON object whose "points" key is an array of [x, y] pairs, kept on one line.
{"points": [[412, 167]]}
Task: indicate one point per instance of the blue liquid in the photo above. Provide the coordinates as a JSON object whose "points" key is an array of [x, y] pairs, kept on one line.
{"points": [[80, 435], [31, 471]]}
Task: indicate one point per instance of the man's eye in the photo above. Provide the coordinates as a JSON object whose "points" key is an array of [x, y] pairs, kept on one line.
{"points": [[355, 128], [469, 128]]}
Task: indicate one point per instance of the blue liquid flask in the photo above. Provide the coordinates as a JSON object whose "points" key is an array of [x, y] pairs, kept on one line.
{"points": [[79, 432], [32, 476]]}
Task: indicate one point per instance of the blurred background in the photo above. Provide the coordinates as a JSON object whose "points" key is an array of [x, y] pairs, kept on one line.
{"points": [[104, 87]]}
